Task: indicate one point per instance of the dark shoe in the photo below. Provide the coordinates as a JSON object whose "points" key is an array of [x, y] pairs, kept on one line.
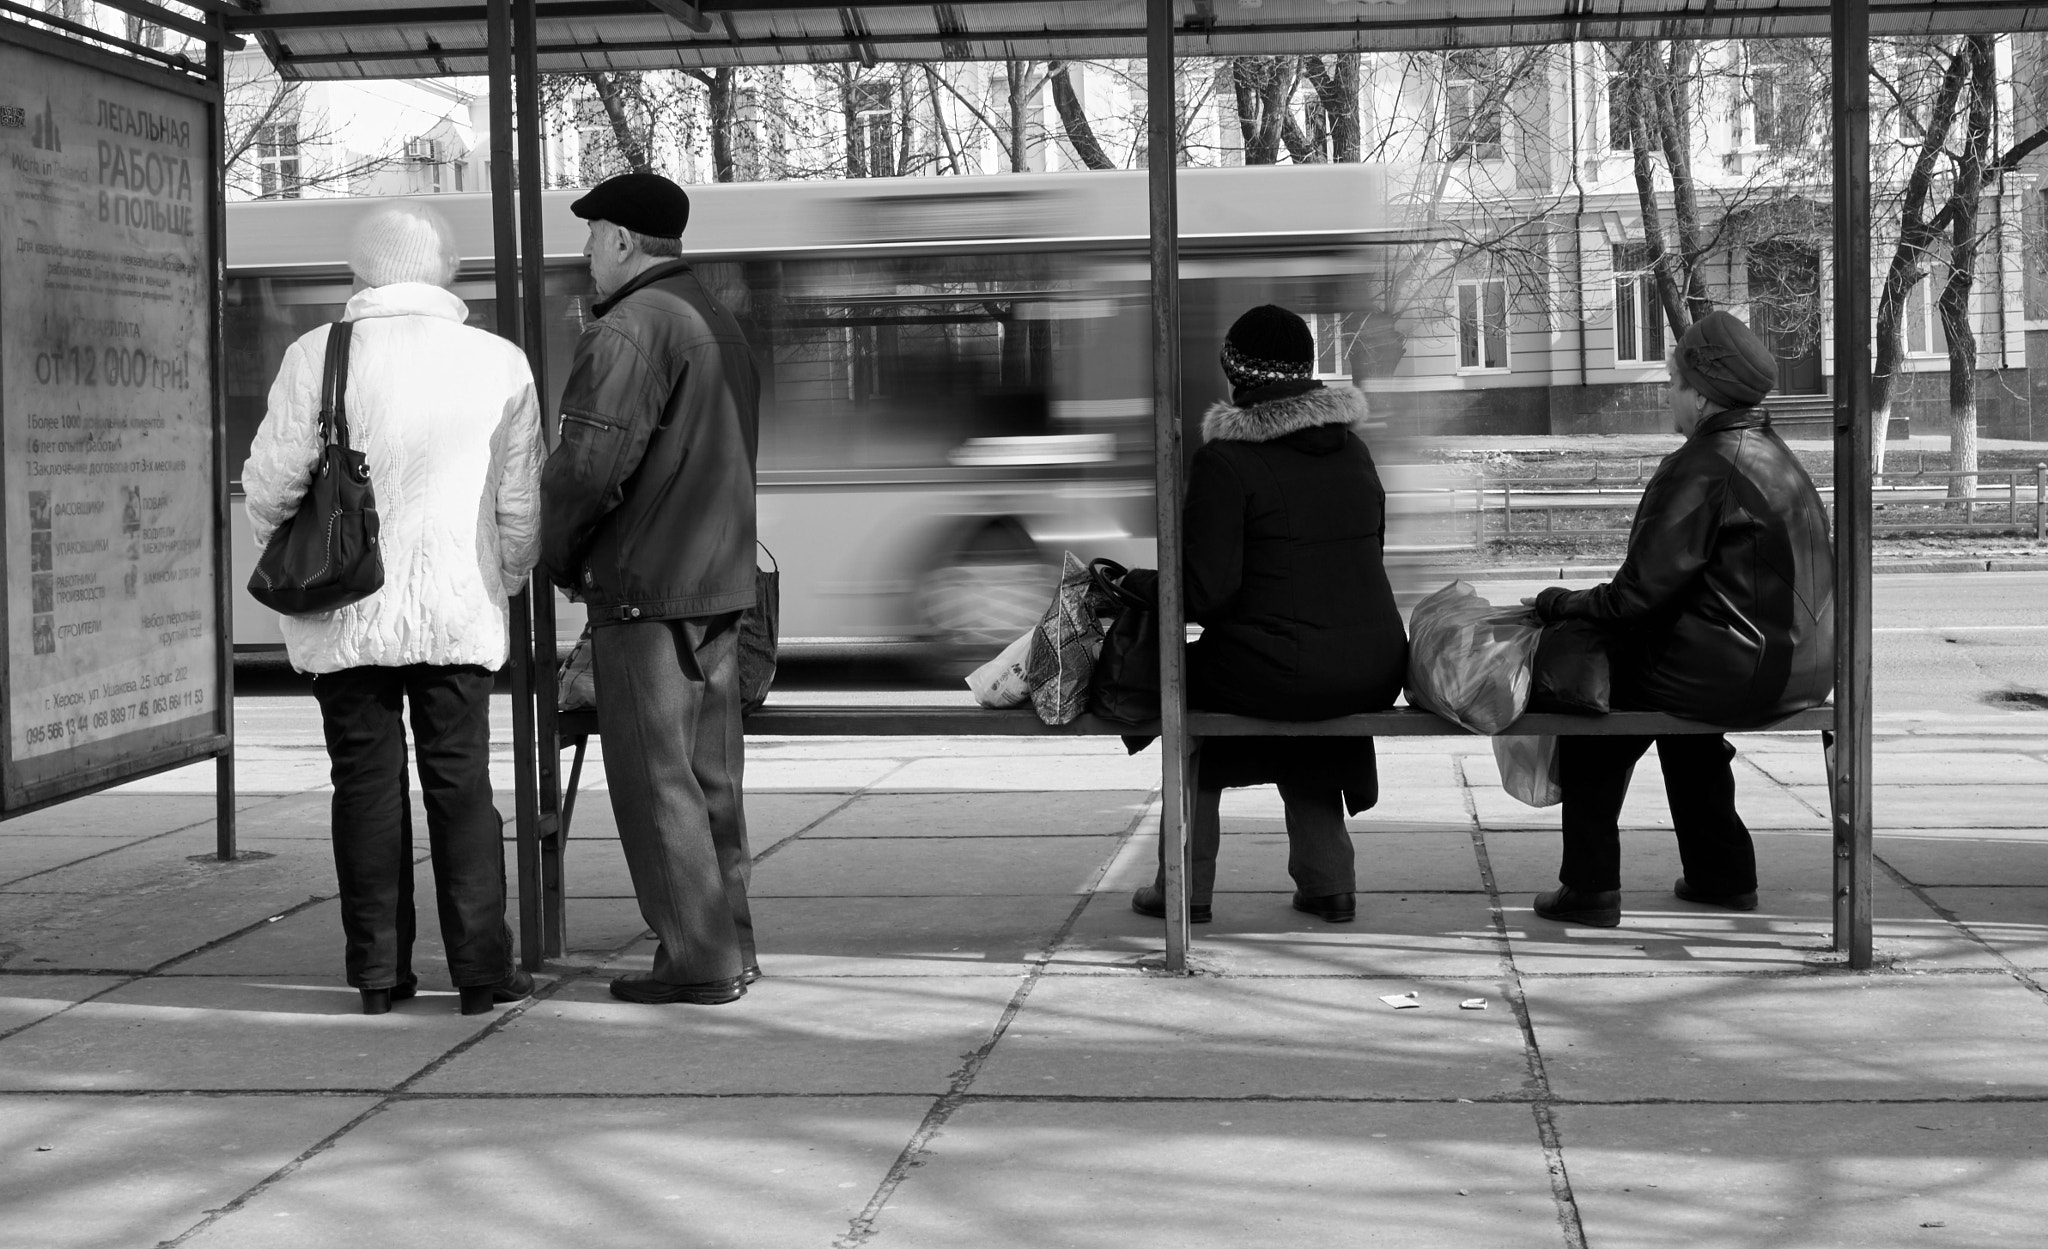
{"points": [[1333, 908], [750, 973], [1595, 908], [406, 988], [377, 1001], [478, 999], [1151, 900], [1726, 901], [654, 992]]}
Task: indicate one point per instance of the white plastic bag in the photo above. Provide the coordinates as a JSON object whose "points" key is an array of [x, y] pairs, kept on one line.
{"points": [[1469, 661], [1528, 768], [1004, 680]]}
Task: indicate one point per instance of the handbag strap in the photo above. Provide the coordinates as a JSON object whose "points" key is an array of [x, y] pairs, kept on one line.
{"points": [[334, 386]]}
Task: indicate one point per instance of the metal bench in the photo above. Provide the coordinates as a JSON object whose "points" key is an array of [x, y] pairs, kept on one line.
{"points": [[546, 904]]}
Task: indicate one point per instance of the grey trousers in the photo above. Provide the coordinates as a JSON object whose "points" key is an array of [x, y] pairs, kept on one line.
{"points": [[1319, 853], [668, 707]]}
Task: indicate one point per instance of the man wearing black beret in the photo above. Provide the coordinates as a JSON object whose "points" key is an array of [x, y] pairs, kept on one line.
{"points": [[1723, 611], [647, 514]]}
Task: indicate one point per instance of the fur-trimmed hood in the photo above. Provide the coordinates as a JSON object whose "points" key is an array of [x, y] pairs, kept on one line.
{"points": [[1277, 418]]}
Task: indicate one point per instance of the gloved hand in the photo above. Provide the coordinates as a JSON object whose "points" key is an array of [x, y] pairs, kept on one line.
{"points": [[1549, 603]]}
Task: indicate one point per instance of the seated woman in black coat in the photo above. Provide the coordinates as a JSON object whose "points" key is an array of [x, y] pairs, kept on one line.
{"points": [[1284, 561]]}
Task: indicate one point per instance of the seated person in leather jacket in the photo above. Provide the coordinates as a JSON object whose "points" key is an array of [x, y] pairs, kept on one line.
{"points": [[1723, 611]]}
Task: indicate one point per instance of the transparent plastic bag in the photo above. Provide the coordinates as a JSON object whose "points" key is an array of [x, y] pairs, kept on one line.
{"points": [[1469, 661], [1528, 768], [1004, 680]]}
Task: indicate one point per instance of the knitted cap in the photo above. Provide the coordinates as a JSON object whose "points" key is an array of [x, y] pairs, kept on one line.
{"points": [[404, 243], [1722, 359], [1268, 344]]}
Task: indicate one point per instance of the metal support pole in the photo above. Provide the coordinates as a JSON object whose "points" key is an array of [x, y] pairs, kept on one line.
{"points": [[2040, 502], [223, 506], [1849, 25], [504, 264], [1161, 157], [533, 278]]}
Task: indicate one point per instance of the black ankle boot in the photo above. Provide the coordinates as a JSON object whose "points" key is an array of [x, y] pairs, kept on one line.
{"points": [[376, 1001], [477, 999]]}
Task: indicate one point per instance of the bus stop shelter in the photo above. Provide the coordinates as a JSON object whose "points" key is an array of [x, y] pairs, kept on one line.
{"points": [[513, 42]]}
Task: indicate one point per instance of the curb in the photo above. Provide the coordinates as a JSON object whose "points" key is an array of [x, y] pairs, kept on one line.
{"points": [[1572, 572]]}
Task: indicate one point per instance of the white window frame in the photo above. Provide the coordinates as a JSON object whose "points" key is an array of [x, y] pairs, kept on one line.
{"points": [[1463, 120], [1335, 334], [1638, 313], [278, 157], [1921, 336], [1472, 335]]}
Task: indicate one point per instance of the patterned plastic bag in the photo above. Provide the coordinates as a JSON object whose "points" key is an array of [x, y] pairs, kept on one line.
{"points": [[1003, 681], [1528, 768], [1469, 661], [1065, 644]]}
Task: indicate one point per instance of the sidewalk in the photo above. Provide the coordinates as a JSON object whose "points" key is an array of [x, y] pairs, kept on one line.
{"points": [[956, 1043]]}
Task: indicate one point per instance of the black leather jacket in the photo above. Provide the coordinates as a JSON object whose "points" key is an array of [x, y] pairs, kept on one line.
{"points": [[1724, 609], [647, 503]]}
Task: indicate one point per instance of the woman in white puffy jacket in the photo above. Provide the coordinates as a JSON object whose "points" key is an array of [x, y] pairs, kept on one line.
{"points": [[447, 419]]}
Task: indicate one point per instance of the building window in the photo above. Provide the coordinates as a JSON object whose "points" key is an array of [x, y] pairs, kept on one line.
{"points": [[1920, 324], [1638, 313], [1621, 107], [1781, 101], [1335, 333], [426, 160], [872, 140], [1472, 112], [1483, 324], [277, 160]]}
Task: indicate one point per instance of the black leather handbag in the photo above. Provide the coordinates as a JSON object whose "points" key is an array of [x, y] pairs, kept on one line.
{"points": [[1125, 684], [1571, 670], [325, 554], [759, 625]]}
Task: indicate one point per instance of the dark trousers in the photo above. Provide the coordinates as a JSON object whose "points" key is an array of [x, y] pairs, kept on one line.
{"points": [[1319, 854], [668, 706], [363, 713], [1713, 843]]}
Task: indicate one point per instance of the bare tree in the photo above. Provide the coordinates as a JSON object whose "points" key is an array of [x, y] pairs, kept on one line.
{"points": [[269, 134], [1074, 120]]}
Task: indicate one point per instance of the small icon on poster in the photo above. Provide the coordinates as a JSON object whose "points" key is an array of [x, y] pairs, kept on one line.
{"points": [[41, 553], [45, 635], [43, 590], [38, 509]]}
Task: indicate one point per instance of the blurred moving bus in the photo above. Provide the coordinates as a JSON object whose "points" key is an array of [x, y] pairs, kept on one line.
{"points": [[956, 372]]}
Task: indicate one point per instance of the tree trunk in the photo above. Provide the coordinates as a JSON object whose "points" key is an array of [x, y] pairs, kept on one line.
{"points": [[1909, 259], [1638, 68], [1962, 278], [1079, 133], [1019, 136], [1674, 127], [1263, 86], [1335, 80], [611, 96], [953, 157]]}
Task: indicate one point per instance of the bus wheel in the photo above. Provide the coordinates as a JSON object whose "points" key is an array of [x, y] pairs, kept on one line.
{"points": [[980, 601]]}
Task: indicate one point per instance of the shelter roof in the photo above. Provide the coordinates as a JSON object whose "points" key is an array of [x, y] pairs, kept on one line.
{"points": [[315, 39]]}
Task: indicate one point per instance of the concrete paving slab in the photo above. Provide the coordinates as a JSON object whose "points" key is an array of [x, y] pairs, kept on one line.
{"points": [[1526, 861], [25, 857], [1789, 931], [931, 866], [1727, 1038], [26, 999], [307, 815], [257, 771], [1143, 1036], [1941, 806], [905, 1034], [1061, 813], [177, 861], [771, 816], [809, 775], [1026, 771], [233, 1033], [138, 930], [1967, 856], [1808, 1177], [124, 817], [1256, 862], [87, 1173], [2013, 921], [1763, 803], [1245, 1175], [1934, 767], [524, 1174], [1256, 934], [992, 936]]}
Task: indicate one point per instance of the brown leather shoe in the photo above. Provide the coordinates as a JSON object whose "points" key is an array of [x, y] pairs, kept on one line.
{"points": [[652, 992], [1684, 892], [1594, 908], [1151, 900]]}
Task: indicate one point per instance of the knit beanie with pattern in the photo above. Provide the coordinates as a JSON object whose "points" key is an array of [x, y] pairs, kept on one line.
{"points": [[404, 243], [1266, 345]]}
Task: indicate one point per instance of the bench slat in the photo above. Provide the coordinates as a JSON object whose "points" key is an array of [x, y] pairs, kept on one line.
{"points": [[931, 721]]}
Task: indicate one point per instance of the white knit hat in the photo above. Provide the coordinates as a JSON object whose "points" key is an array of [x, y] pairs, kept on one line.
{"points": [[404, 243]]}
